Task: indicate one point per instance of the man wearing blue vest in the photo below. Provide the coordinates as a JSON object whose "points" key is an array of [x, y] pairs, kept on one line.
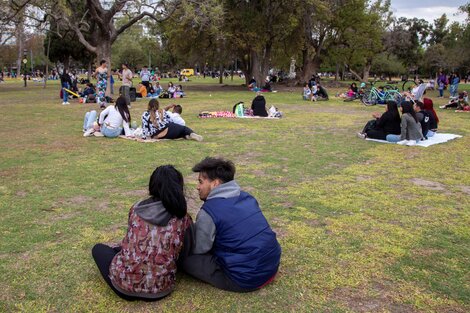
{"points": [[234, 248]]}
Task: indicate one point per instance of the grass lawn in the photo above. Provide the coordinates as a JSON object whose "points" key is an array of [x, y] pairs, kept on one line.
{"points": [[364, 227]]}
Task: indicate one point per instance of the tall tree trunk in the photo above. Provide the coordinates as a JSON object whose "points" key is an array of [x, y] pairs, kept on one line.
{"points": [[221, 74], [19, 43], [256, 68], [46, 75], [307, 66], [366, 71], [337, 72], [89, 70]]}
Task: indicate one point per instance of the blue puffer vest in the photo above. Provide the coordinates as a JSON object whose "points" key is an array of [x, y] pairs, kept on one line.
{"points": [[245, 246]]}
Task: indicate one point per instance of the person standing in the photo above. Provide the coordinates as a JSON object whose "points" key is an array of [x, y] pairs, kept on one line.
{"points": [[234, 249], [66, 82], [145, 77], [126, 82], [441, 83], [101, 74], [454, 81]]}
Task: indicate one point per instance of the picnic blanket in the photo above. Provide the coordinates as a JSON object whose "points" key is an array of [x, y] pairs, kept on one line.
{"points": [[146, 140], [434, 140], [228, 114]]}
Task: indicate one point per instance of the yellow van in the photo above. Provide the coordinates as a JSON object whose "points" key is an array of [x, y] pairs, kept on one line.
{"points": [[187, 72]]}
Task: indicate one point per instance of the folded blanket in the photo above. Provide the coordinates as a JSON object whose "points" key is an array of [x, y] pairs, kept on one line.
{"points": [[434, 140]]}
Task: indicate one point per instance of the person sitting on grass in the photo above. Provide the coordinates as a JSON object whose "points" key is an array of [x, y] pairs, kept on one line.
{"points": [[158, 88], [234, 248], [456, 103], [307, 93], [433, 119], [410, 132], [171, 89], [423, 118], [157, 124], [259, 105], [350, 94], [143, 266], [383, 125], [175, 114], [179, 93], [321, 94], [141, 91], [111, 122]]}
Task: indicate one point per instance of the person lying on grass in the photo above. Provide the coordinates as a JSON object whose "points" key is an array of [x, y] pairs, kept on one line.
{"points": [[111, 122], [234, 247], [157, 124], [175, 114], [457, 102], [143, 265]]}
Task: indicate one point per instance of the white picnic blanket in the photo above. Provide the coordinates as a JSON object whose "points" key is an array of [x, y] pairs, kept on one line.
{"points": [[434, 140]]}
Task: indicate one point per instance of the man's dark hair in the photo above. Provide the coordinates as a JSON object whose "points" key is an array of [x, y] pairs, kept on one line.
{"points": [[420, 105], [216, 168], [178, 109], [102, 62]]}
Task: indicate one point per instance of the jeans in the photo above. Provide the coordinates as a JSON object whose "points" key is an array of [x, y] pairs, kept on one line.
{"points": [[65, 94], [454, 90], [90, 118], [110, 132], [395, 138], [441, 92]]}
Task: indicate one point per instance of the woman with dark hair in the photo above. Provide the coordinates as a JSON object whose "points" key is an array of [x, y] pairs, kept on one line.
{"points": [[410, 127], [434, 120], [156, 123], [101, 74], [383, 125], [111, 122], [143, 265]]}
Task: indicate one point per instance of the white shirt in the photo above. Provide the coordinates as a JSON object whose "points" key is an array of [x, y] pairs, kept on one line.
{"points": [[127, 77], [112, 118], [176, 118], [145, 75]]}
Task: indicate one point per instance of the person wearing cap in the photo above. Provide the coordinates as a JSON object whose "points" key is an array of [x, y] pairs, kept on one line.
{"points": [[234, 248]]}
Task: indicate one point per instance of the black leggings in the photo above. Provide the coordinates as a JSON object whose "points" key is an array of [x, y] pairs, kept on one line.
{"points": [[176, 131], [103, 256]]}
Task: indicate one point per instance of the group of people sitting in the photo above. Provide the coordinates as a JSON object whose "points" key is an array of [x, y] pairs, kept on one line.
{"points": [[157, 123], [459, 103], [314, 91], [252, 86], [157, 91], [418, 122], [230, 246]]}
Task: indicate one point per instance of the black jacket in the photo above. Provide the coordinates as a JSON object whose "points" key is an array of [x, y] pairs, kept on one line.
{"points": [[259, 106], [389, 124]]}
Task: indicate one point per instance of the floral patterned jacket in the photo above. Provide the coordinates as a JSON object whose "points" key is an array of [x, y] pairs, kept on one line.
{"points": [[146, 265]]}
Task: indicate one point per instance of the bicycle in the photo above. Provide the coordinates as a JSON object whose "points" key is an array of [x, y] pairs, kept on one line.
{"points": [[373, 96]]}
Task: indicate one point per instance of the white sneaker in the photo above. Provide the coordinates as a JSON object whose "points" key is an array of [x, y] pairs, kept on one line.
{"points": [[67, 102], [64, 103], [196, 137], [442, 107], [89, 132], [361, 135]]}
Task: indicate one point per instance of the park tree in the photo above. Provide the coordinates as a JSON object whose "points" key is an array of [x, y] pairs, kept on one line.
{"points": [[359, 36], [98, 19]]}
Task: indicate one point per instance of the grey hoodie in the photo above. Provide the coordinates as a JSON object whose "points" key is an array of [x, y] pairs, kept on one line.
{"points": [[204, 227], [153, 212]]}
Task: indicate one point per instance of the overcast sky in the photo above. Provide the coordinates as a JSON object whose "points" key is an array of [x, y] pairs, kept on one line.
{"points": [[428, 9]]}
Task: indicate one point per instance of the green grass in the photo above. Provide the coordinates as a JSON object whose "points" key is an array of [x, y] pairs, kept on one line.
{"points": [[363, 226]]}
